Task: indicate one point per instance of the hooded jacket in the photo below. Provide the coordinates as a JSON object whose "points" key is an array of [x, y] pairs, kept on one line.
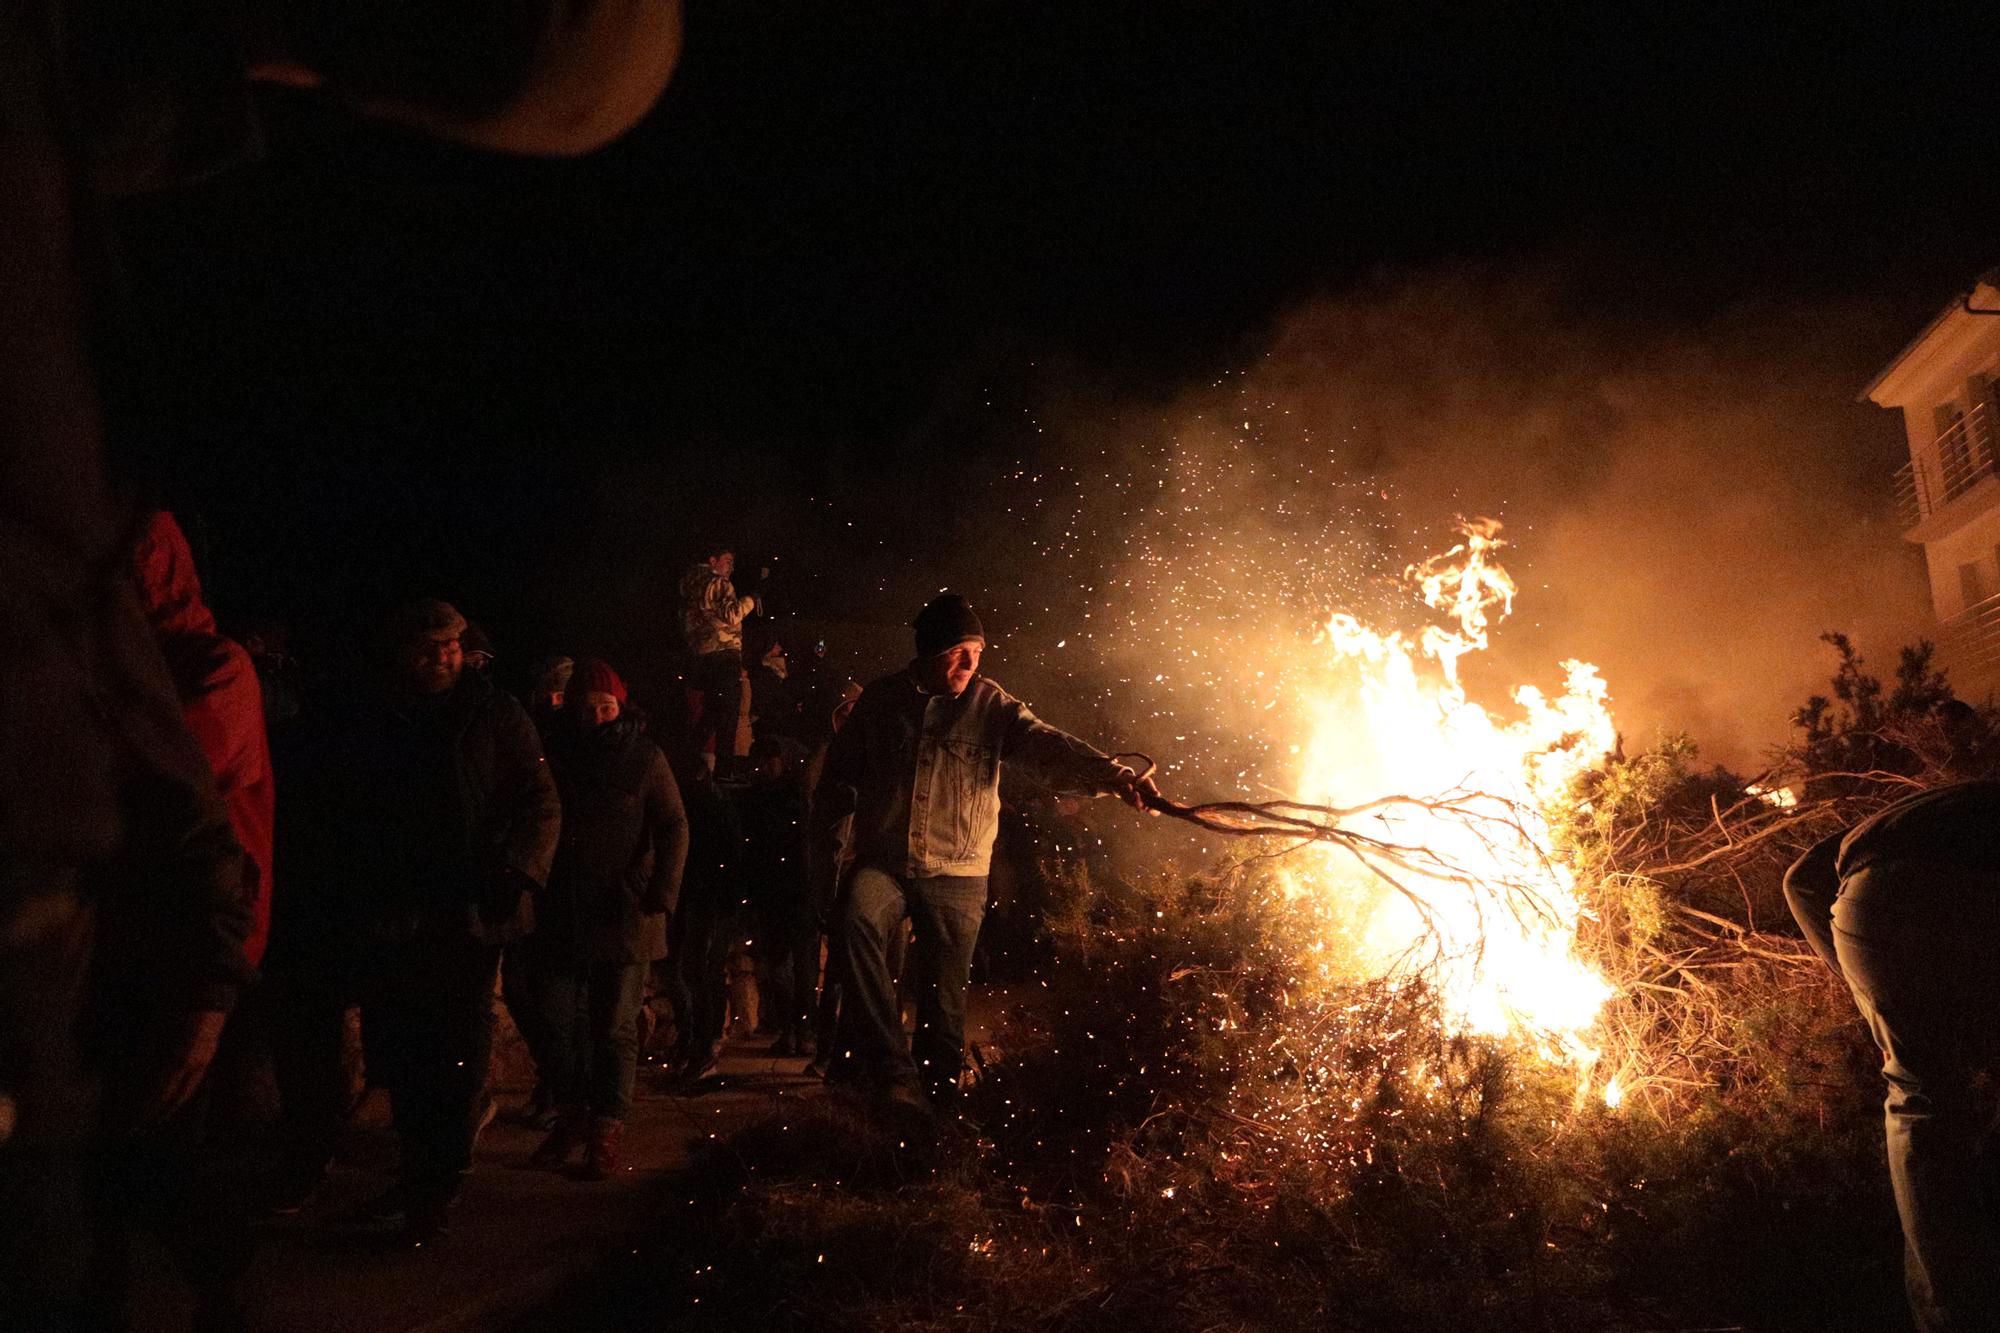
{"points": [[222, 702], [618, 864]]}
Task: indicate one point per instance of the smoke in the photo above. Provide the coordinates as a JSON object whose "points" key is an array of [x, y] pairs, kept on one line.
{"points": [[1688, 507]]}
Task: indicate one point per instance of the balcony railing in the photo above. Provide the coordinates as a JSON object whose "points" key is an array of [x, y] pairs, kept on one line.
{"points": [[1912, 495], [1949, 467], [1970, 641]]}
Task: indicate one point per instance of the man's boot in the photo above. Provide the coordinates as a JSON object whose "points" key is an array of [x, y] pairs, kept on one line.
{"points": [[565, 1137], [600, 1162]]}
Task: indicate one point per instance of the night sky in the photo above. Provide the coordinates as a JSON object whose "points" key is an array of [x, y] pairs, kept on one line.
{"points": [[819, 284]]}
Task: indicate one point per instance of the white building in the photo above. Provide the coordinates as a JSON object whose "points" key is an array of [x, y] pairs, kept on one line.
{"points": [[1946, 382]]}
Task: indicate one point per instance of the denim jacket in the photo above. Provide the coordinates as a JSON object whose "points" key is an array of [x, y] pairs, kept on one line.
{"points": [[920, 774]]}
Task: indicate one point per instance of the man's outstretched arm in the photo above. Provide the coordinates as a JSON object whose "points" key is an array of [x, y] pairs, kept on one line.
{"points": [[1067, 763]]}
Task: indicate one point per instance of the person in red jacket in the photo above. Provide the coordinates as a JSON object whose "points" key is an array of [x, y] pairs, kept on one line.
{"points": [[221, 700]]}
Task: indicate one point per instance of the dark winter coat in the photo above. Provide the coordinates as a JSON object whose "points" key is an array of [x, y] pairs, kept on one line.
{"points": [[624, 844], [418, 815], [713, 884], [774, 848]]}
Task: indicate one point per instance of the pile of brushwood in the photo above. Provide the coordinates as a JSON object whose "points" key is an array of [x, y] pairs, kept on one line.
{"points": [[1200, 1125]]}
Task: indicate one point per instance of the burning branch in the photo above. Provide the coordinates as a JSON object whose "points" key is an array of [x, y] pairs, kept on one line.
{"points": [[1498, 825]]}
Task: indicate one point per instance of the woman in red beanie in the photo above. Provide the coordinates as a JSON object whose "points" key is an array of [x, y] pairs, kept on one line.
{"points": [[602, 918]]}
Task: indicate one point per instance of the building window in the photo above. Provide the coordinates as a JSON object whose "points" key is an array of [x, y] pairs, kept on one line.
{"points": [[1954, 447], [1971, 587]]}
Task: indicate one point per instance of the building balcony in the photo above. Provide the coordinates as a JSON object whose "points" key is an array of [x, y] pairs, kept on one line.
{"points": [[1952, 467], [1969, 644]]}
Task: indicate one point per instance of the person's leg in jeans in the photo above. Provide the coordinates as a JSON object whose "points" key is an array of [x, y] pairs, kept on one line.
{"points": [[386, 987], [560, 1012], [674, 972], [1811, 886], [772, 952], [701, 980], [720, 675], [804, 959], [469, 1060], [788, 943], [712, 978], [521, 991], [615, 994], [826, 1020], [1917, 946], [612, 996], [309, 1002], [946, 912], [172, 1182], [443, 1007], [871, 1021]]}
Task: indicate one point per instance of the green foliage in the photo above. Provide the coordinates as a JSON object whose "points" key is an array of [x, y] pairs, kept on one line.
{"points": [[1859, 740]]}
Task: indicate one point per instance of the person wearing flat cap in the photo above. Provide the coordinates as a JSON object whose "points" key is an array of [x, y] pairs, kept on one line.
{"points": [[917, 771], [431, 818]]}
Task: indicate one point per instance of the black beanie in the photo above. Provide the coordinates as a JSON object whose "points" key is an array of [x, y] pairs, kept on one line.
{"points": [[948, 621]]}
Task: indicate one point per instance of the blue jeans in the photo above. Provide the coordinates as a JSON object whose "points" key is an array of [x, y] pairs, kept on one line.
{"points": [[946, 912], [1919, 946], [590, 1021]]}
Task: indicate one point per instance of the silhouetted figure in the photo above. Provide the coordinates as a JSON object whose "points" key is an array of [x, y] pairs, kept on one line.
{"points": [[440, 820], [279, 679], [179, 1182], [602, 919], [519, 962], [775, 707], [712, 618], [826, 869], [785, 926], [705, 922], [1906, 907], [549, 680], [118, 856]]}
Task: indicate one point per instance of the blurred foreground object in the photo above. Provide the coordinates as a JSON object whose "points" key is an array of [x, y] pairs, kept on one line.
{"points": [[1905, 906]]}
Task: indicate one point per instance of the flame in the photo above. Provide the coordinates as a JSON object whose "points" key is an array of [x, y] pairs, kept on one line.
{"points": [[1782, 798], [1495, 931]]}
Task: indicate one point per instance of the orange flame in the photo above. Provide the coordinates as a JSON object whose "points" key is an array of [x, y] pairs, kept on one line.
{"points": [[1496, 932]]}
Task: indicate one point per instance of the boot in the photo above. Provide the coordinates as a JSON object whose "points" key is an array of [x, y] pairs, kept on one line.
{"points": [[600, 1162], [571, 1128]]}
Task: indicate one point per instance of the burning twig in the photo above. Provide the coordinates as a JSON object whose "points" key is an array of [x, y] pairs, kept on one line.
{"points": [[1496, 823]]}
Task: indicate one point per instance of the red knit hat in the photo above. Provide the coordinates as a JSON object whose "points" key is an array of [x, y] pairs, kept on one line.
{"points": [[593, 675]]}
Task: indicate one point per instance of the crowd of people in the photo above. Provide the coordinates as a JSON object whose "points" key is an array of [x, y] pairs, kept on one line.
{"points": [[418, 838]]}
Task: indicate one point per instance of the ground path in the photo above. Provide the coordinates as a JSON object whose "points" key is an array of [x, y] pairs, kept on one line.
{"points": [[518, 1234]]}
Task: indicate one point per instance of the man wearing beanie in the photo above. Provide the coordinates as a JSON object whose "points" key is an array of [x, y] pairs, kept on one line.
{"points": [[425, 819], [917, 767]]}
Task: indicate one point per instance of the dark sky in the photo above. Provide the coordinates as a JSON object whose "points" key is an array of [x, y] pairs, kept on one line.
{"points": [[854, 238]]}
